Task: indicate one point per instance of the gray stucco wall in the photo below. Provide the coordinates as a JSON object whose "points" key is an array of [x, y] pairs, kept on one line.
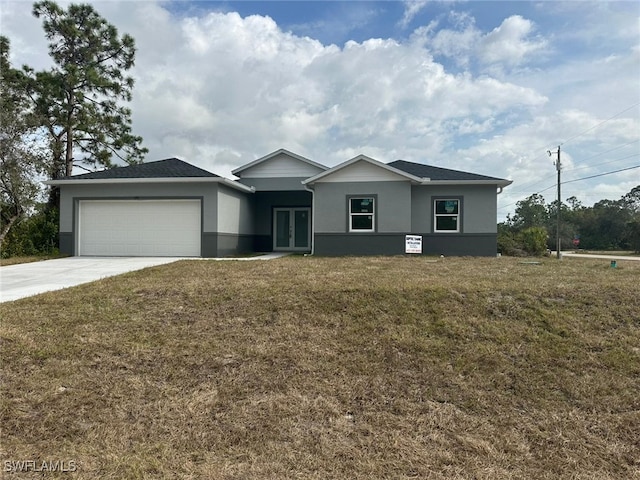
{"points": [[225, 244], [234, 221], [404, 209], [207, 192], [392, 209], [336, 244], [235, 213], [467, 244], [478, 207]]}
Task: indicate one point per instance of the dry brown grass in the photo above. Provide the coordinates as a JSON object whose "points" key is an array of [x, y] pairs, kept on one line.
{"points": [[330, 368], [27, 259]]}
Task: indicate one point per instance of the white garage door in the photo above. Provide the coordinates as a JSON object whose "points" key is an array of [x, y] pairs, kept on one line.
{"points": [[156, 228]]}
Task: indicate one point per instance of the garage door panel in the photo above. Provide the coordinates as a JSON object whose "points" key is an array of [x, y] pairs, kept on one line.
{"points": [[139, 228]]}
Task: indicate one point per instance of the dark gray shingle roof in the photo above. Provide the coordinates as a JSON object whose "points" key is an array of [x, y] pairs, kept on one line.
{"points": [[437, 173], [169, 168]]}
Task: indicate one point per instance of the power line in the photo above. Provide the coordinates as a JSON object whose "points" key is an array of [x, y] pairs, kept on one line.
{"points": [[572, 181], [536, 193], [574, 137], [611, 150], [601, 174], [605, 163], [584, 132], [601, 123], [526, 187]]}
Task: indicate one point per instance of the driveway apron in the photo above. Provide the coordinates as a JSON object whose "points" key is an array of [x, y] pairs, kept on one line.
{"points": [[26, 279]]}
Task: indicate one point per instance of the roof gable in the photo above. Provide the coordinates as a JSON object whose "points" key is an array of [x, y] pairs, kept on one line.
{"points": [[280, 164], [168, 168], [362, 169], [441, 174]]}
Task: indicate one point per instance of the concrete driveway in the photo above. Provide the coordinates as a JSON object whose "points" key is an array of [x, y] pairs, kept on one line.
{"points": [[26, 279]]}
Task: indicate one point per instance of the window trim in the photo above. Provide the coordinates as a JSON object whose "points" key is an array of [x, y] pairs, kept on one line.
{"points": [[350, 214], [458, 215]]}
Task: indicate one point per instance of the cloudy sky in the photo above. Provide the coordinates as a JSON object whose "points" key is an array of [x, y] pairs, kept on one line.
{"points": [[485, 87]]}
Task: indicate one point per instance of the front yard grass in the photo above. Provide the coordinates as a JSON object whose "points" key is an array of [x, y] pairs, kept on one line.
{"points": [[321, 368], [28, 259]]}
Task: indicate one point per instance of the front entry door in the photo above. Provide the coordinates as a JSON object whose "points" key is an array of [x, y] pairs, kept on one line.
{"points": [[292, 229]]}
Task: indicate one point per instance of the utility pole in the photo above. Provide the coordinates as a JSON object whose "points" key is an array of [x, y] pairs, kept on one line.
{"points": [[558, 167]]}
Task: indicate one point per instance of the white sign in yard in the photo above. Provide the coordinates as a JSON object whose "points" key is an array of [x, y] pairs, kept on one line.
{"points": [[413, 244]]}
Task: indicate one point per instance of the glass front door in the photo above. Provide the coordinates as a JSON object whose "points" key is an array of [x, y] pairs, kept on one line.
{"points": [[292, 229]]}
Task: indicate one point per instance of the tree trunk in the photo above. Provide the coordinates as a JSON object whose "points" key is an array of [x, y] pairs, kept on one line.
{"points": [[68, 158], [7, 227]]}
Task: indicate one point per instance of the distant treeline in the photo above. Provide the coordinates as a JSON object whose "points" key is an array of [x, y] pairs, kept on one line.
{"points": [[607, 225]]}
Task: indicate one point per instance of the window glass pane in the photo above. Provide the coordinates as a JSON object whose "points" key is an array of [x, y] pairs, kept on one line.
{"points": [[446, 207], [447, 223], [282, 228], [362, 222], [362, 205]]}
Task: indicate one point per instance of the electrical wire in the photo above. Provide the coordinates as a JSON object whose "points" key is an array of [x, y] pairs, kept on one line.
{"points": [[572, 181], [593, 156], [600, 175], [584, 132], [601, 123], [610, 150], [605, 163]]}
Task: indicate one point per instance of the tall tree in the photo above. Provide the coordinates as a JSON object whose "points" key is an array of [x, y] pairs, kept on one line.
{"points": [[20, 157], [530, 212], [632, 200], [80, 96]]}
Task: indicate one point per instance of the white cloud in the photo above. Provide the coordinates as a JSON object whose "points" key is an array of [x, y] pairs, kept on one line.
{"points": [[508, 45], [219, 90], [594, 145], [244, 84], [411, 9]]}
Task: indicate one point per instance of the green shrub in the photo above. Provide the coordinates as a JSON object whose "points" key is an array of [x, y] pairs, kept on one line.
{"points": [[534, 240], [508, 243], [34, 235]]}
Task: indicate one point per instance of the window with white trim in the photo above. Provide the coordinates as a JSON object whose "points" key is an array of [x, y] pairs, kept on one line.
{"points": [[446, 215], [362, 214]]}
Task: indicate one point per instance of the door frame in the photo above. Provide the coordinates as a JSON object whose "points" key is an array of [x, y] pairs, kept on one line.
{"points": [[292, 228]]}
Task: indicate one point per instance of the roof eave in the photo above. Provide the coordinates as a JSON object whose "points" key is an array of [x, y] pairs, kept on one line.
{"points": [[115, 181], [497, 182], [237, 185]]}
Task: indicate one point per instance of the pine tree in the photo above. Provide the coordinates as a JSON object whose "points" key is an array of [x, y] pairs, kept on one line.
{"points": [[80, 96]]}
